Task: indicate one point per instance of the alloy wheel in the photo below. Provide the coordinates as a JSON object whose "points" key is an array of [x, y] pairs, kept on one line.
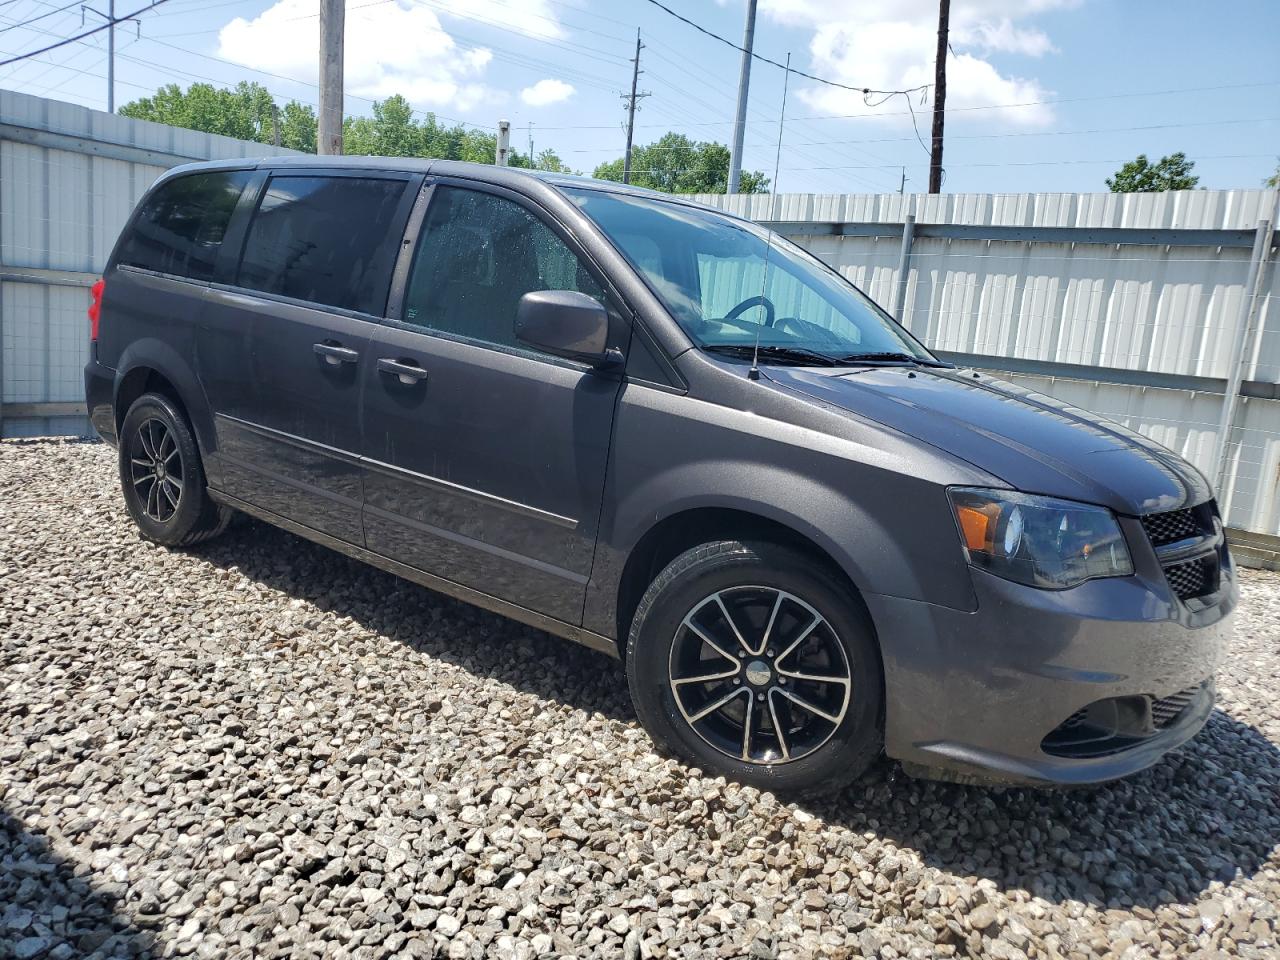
{"points": [[155, 465], [760, 674]]}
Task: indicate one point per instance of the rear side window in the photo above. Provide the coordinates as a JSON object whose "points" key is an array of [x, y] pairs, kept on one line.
{"points": [[181, 225], [324, 239]]}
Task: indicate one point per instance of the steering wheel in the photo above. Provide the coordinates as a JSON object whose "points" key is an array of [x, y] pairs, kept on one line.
{"points": [[770, 314]]}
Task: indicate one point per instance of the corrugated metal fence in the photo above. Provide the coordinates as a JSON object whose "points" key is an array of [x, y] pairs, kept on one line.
{"points": [[1136, 306], [69, 177], [1146, 308]]}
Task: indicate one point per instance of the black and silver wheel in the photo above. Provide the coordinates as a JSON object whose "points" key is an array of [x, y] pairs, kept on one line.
{"points": [[759, 674], [753, 660], [162, 476], [155, 469]]}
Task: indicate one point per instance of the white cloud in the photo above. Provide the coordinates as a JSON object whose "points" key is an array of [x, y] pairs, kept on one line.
{"points": [[891, 44], [546, 92], [394, 47], [530, 17]]}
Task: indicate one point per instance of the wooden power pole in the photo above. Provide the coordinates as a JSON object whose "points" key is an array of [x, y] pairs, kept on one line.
{"points": [[332, 21], [744, 83], [631, 109], [939, 97]]}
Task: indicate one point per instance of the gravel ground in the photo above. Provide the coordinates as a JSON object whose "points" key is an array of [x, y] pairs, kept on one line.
{"points": [[262, 748]]}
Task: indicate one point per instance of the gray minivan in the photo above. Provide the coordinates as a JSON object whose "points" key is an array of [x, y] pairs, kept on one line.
{"points": [[669, 435]]}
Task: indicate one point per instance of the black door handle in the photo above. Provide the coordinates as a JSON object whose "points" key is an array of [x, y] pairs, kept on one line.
{"points": [[409, 373], [335, 353]]}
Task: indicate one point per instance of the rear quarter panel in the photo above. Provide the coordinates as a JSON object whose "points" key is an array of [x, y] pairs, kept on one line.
{"points": [[149, 321]]}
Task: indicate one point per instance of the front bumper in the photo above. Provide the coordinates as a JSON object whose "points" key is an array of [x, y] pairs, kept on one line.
{"points": [[972, 696]]}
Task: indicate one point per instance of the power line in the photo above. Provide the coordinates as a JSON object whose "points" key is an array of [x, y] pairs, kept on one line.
{"points": [[986, 106], [88, 33], [50, 13], [280, 76], [865, 91], [1041, 133], [709, 80]]}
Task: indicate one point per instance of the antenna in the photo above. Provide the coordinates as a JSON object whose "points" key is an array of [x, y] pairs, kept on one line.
{"points": [[754, 372]]}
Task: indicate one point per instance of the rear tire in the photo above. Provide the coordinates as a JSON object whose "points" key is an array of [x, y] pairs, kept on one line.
{"points": [[162, 476], [784, 694]]}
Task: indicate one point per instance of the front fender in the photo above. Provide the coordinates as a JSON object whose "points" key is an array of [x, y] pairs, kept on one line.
{"points": [[874, 501], [858, 542]]}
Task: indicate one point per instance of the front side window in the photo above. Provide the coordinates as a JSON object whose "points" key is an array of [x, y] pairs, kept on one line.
{"points": [[327, 240], [181, 225], [727, 281], [479, 254]]}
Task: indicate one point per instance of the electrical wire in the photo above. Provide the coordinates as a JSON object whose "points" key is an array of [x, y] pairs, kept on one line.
{"points": [[986, 106], [49, 13], [87, 33], [865, 91]]}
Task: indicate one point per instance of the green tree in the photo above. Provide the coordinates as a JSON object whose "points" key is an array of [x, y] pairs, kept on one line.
{"points": [[550, 160], [677, 164], [1274, 179], [298, 126], [1142, 176], [244, 111]]}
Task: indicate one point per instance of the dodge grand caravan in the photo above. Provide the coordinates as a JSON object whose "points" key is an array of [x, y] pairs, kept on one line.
{"points": [[671, 436]]}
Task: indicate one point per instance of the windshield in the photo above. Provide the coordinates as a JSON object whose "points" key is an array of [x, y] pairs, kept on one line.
{"points": [[710, 272]]}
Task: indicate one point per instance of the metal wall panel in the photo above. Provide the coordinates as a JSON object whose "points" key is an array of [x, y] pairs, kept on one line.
{"points": [[69, 178], [1145, 307]]}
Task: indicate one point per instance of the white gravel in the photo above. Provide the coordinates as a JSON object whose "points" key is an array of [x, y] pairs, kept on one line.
{"points": [[259, 748]]}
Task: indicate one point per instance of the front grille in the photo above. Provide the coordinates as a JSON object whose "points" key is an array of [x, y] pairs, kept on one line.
{"points": [[1196, 577], [1189, 579], [1167, 709], [1169, 527]]}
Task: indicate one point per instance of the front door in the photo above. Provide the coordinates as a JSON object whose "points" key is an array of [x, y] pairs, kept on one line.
{"points": [[310, 288], [485, 459]]}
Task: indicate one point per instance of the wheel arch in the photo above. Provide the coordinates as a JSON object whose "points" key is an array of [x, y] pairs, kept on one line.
{"points": [[150, 365], [681, 530]]}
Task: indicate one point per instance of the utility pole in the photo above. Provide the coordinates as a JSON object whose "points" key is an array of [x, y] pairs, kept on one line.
{"points": [[902, 186], [939, 97], [744, 81], [631, 108], [332, 22], [502, 151], [275, 124], [111, 56], [532, 166], [110, 17]]}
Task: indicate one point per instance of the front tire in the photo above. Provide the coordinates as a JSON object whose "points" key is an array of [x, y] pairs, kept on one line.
{"points": [[754, 661], [162, 476]]}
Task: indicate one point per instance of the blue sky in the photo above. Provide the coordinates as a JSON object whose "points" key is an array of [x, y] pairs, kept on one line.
{"points": [[1098, 81]]}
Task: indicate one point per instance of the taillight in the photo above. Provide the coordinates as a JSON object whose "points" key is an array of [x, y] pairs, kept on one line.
{"points": [[95, 309]]}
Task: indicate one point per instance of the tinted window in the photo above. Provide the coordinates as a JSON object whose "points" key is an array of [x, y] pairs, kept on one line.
{"points": [[712, 271], [181, 225], [479, 254], [324, 239]]}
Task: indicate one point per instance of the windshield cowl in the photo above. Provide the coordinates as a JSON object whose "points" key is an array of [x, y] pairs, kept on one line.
{"points": [[792, 356]]}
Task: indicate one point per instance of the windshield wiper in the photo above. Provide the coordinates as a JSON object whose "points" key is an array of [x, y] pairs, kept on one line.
{"points": [[793, 355], [889, 356]]}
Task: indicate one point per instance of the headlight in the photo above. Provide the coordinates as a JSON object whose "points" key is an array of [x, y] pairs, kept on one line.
{"points": [[1039, 541]]}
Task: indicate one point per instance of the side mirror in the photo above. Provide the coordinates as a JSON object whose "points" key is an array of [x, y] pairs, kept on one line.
{"points": [[568, 324]]}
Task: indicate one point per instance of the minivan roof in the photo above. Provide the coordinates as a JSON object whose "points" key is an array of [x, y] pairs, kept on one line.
{"points": [[458, 168]]}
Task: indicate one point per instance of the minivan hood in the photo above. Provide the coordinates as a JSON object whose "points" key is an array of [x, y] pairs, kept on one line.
{"points": [[1032, 442]]}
